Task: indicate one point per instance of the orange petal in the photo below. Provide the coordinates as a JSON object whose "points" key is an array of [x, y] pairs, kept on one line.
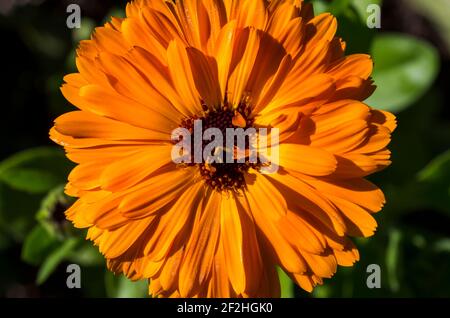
{"points": [[306, 159]]}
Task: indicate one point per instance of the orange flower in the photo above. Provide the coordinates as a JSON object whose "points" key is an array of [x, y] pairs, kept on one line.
{"points": [[220, 229]]}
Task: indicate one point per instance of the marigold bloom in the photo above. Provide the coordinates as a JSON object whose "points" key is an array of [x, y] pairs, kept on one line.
{"points": [[220, 230]]}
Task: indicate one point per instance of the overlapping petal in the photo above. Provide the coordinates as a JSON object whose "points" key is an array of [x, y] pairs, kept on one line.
{"points": [[139, 77]]}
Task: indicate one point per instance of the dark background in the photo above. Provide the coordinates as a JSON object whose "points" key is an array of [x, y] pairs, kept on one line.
{"points": [[412, 245]]}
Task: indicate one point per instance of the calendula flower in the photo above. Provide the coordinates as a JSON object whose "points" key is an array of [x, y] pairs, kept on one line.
{"points": [[220, 229]]}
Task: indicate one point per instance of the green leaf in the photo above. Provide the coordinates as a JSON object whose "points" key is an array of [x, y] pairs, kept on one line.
{"points": [[393, 259], [17, 210], [30, 180], [435, 182], [38, 245], [118, 286], [437, 170], [29, 155], [320, 6], [405, 68], [287, 286], [336, 8], [54, 259], [35, 170]]}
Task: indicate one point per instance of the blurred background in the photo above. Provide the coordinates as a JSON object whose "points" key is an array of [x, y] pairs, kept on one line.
{"points": [[412, 70]]}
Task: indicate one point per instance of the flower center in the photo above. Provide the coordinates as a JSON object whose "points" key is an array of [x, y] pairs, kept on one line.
{"points": [[225, 175]]}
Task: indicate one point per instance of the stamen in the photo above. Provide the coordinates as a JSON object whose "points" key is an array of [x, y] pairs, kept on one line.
{"points": [[224, 176]]}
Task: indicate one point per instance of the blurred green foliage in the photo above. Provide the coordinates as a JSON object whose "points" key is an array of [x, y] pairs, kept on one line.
{"points": [[405, 69], [412, 244]]}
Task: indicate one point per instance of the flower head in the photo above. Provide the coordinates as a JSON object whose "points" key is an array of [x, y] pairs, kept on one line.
{"points": [[213, 228]]}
